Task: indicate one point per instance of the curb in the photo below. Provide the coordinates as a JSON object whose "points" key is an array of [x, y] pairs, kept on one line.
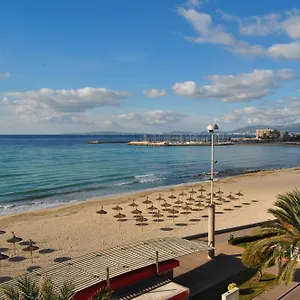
{"points": [[226, 230], [289, 291]]}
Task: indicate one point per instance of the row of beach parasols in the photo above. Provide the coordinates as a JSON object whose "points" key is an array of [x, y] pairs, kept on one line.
{"points": [[15, 240], [181, 204]]}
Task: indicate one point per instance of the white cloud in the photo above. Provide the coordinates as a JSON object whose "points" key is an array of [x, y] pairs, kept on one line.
{"points": [[154, 117], [289, 51], [292, 27], [153, 93], [236, 88], [255, 25], [216, 34], [65, 106], [273, 23], [269, 24], [108, 122], [276, 115], [5, 75], [195, 3]]}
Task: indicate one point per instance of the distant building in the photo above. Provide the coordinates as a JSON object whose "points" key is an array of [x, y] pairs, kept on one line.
{"points": [[263, 133], [284, 135], [272, 134]]}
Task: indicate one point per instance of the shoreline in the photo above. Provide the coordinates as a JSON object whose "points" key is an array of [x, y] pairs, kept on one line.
{"points": [[75, 229], [118, 198], [195, 180]]}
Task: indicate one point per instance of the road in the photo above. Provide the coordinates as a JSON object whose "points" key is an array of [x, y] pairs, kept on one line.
{"points": [[294, 295]]}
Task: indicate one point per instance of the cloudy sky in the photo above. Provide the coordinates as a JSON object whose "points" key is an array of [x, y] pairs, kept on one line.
{"points": [[148, 66]]}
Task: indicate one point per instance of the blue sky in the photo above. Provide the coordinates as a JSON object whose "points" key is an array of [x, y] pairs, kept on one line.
{"points": [[148, 66]]}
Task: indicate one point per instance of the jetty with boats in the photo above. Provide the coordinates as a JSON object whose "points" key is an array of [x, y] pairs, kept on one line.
{"points": [[167, 140], [178, 143]]}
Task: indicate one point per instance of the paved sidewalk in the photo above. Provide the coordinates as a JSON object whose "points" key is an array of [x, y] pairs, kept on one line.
{"points": [[279, 291], [200, 273]]}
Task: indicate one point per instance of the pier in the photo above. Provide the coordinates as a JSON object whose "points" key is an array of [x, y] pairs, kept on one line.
{"points": [[169, 144], [167, 140]]}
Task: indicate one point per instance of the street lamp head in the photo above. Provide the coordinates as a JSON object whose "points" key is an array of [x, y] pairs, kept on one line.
{"points": [[212, 127]]}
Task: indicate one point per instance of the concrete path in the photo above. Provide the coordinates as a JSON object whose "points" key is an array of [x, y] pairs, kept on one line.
{"points": [[200, 273], [282, 291]]}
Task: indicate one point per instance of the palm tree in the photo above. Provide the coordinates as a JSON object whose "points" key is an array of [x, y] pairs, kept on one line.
{"points": [[28, 289], [283, 246]]}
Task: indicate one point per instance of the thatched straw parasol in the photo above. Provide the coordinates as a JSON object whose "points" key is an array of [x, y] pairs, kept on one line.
{"points": [[2, 257], [186, 209], [141, 219], [136, 212], [173, 212], [182, 193], [192, 191], [119, 216], [172, 197], [152, 208], [133, 204], [209, 194], [239, 194], [158, 215], [147, 201], [118, 208], [199, 204], [178, 203], [201, 196], [202, 189], [30, 248], [101, 212], [219, 192], [13, 240], [230, 196], [190, 198], [165, 205], [160, 198]]}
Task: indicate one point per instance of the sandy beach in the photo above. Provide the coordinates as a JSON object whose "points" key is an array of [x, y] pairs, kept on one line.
{"points": [[74, 230]]}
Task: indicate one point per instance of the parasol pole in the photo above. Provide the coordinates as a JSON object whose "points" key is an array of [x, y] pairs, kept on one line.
{"points": [[157, 263], [107, 279]]}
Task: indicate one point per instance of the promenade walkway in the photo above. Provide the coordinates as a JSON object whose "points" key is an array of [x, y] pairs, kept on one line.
{"points": [[200, 273]]}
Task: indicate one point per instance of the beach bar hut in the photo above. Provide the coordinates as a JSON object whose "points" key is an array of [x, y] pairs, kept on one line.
{"points": [[146, 265]]}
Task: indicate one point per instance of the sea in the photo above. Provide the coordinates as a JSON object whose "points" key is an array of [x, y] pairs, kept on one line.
{"points": [[39, 171]]}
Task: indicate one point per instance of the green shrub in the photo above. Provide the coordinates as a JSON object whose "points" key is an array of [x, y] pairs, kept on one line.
{"points": [[249, 238]]}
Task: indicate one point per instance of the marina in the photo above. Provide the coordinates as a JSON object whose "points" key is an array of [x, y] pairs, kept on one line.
{"points": [[165, 140]]}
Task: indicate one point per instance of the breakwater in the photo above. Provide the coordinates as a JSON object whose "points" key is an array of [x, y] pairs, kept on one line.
{"points": [[177, 143]]}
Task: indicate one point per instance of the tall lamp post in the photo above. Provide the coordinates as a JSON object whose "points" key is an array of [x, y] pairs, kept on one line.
{"points": [[212, 208]]}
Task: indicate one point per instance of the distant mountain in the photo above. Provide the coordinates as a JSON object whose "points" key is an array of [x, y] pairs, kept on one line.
{"points": [[178, 132], [293, 128], [103, 133]]}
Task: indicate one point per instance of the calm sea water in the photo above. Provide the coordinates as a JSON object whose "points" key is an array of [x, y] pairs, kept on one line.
{"points": [[44, 171]]}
